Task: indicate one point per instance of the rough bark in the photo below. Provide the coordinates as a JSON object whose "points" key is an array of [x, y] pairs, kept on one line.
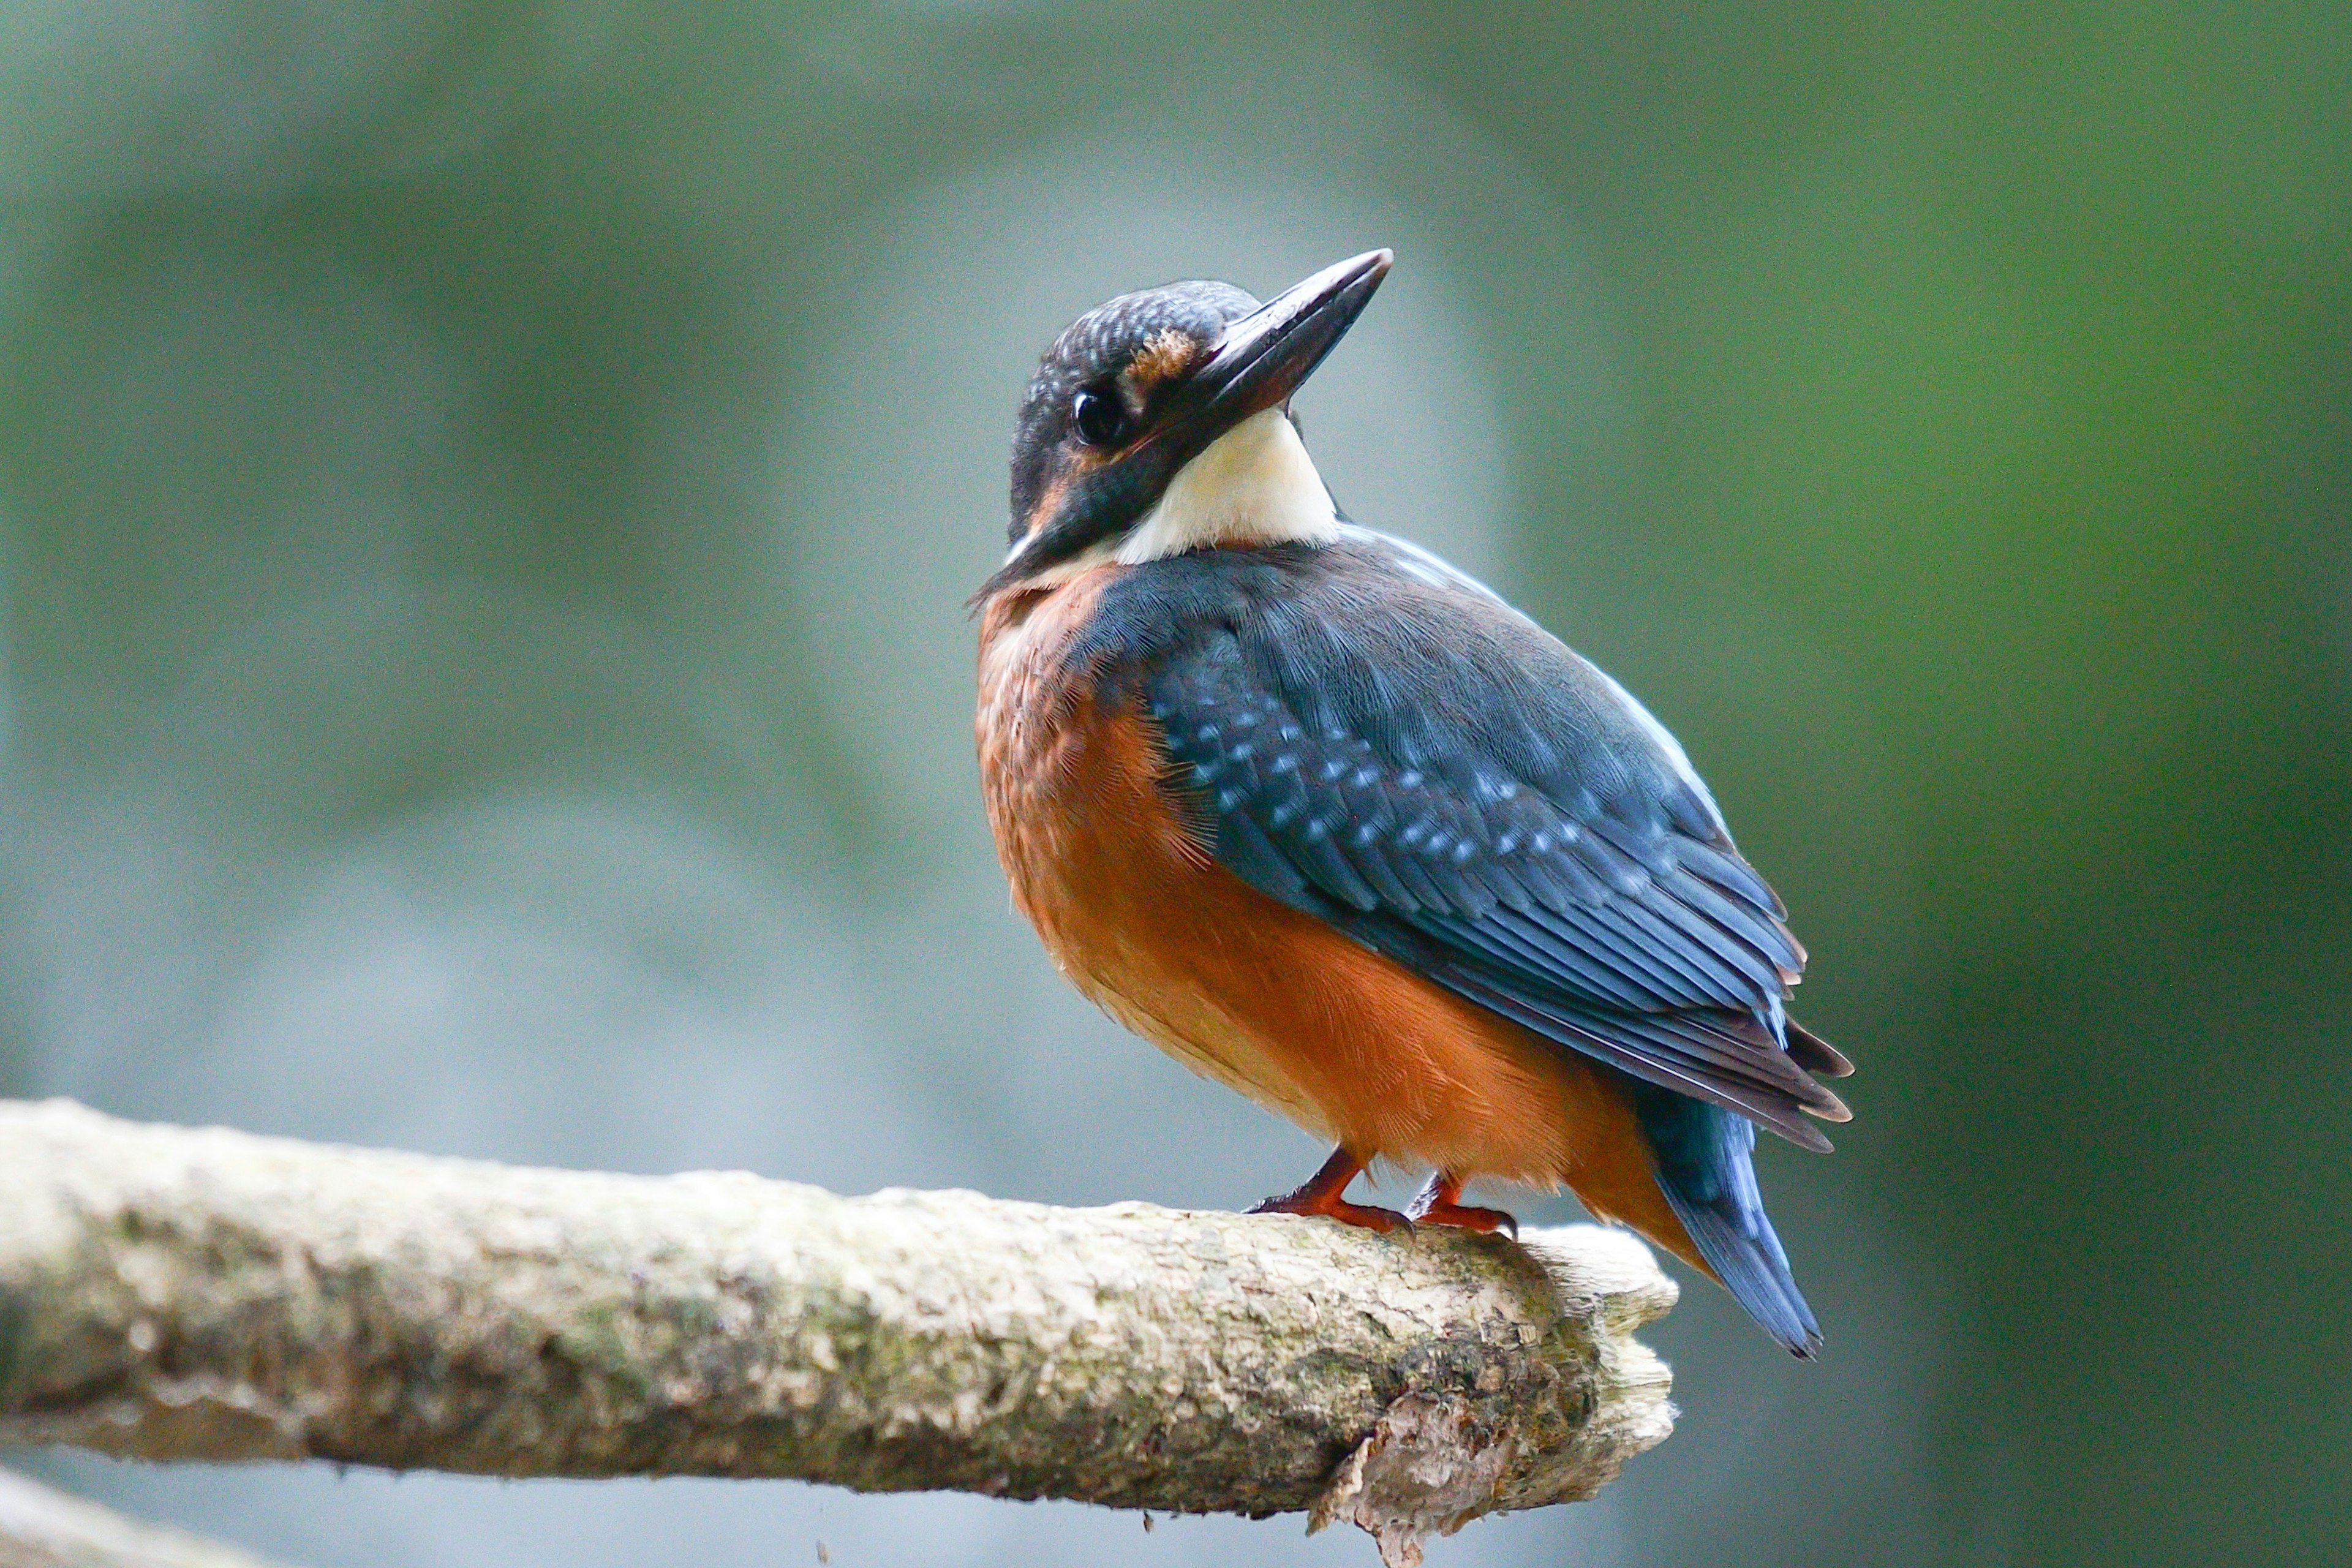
{"points": [[203, 1294], [44, 1528]]}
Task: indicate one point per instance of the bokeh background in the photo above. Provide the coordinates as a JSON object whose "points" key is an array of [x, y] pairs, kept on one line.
{"points": [[487, 491]]}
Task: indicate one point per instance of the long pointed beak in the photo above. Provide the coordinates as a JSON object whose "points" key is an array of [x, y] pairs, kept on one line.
{"points": [[1262, 359]]}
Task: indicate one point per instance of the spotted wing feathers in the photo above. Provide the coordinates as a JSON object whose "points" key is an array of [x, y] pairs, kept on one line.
{"points": [[1448, 785]]}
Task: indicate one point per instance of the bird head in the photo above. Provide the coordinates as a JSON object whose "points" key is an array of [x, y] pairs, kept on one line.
{"points": [[1159, 422]]}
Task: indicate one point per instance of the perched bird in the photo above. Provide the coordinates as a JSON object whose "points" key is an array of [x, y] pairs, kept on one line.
{"points": [[1329, 822]]}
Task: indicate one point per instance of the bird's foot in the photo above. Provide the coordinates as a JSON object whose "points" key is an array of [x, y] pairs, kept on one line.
{"points": [[1439, 1205], [1330, 1205], [1320, 1194], [1464, 1217]]}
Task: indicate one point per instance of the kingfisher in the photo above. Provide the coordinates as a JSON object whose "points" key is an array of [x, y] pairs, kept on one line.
{"points": [[1329, 822]]}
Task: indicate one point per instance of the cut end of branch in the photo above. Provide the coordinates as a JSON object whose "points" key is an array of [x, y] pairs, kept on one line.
{"points": [[1431, 1464], [1425, 1468]]}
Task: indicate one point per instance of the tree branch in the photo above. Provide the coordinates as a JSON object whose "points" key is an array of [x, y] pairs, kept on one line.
{"points": [[177, 1294]]}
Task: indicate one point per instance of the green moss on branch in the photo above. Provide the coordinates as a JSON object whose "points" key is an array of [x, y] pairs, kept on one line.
{"points": [[178, 1294]]}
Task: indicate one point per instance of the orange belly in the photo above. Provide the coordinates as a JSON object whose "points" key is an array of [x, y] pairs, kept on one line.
{"points": [[1265, 998]]}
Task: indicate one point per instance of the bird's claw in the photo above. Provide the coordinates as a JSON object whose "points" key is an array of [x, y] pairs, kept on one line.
{"points": [[1439, 1203], [1364, 1217]]}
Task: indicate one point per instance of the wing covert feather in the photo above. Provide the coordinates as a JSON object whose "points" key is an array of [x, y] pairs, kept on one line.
{"points": [[1384, 744]]}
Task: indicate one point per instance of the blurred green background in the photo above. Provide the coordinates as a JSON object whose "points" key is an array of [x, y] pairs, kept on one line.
{"points": [[488, 493]]}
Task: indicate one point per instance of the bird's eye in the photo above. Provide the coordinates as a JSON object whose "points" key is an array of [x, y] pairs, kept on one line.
{"points": [[1099, 419]]}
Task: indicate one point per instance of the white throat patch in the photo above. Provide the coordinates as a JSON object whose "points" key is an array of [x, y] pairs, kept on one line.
{"points": [[1254, 485]]}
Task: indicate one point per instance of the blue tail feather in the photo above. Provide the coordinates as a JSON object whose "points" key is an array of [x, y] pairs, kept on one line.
{"points": [[1706, 1168]]}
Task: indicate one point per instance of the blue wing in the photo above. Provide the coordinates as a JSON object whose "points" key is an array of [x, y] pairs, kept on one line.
{"points": [[1381, 741]]}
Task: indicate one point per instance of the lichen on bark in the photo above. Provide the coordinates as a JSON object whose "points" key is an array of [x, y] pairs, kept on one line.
{"points": [[203, 1294]]}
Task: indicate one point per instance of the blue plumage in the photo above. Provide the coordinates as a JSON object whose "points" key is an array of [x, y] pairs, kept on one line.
{"points": [[1706, 1168], [1520, 831]]}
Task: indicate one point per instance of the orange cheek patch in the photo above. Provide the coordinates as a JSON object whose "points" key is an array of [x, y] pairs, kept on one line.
{"points": [[1054, 496], [1166, 354]]}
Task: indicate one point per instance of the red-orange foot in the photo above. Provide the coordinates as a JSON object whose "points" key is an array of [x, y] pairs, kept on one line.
{"points": [[1320, 1194], [1364, 1216], [1438, 1205]]}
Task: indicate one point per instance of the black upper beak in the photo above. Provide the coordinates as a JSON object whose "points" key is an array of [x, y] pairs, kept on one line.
{"points": [[1259, 361]]}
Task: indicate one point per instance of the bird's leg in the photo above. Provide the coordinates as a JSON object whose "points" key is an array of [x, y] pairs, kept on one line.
{"points": [[1320, 1194], [1441, 1204]]}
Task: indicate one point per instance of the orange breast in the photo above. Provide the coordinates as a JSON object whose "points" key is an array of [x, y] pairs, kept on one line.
{"points": [[1267, 999]]}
